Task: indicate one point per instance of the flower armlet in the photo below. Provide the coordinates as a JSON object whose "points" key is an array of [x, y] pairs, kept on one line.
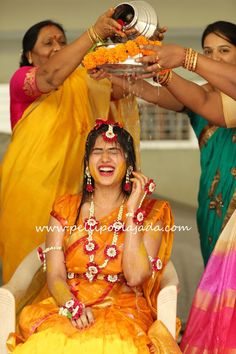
{"points": [[72, 309], [156, 263], [41, 254]]}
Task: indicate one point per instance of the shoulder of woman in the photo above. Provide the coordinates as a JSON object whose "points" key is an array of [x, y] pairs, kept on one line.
{"points": [[21, 72], [157, 209], [65, 206]]}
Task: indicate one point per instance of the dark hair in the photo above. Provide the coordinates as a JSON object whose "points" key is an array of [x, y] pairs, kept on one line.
{"points": [[31, 37], [224, 29], [124, 139]]}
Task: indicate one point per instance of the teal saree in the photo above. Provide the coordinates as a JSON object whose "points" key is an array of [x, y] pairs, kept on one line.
{"points": [[217, 189]]}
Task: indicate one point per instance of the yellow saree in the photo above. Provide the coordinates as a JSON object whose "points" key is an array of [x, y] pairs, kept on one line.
{"points": [[123, 318], [45, 157]]}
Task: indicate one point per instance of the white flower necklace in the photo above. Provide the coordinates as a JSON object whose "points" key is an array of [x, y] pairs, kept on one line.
{"points": [[110, 252]]}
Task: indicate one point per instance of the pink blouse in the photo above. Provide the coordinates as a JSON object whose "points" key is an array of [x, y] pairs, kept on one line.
{"points": [[23, 91]]}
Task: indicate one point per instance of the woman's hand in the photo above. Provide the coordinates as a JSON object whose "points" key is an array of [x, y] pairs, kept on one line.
{"points": [[159, 34], [164, 57], [137, 193], [106, 26], [85, 320], [97, 75]]}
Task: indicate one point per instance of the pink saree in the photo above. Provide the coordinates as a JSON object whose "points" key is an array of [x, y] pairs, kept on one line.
{"points": [[211, 327]]}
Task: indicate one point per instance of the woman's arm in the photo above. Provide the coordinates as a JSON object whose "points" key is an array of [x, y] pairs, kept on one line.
{"points": [[143, 89], [57, 275], [138, 245], [56, 269], [218, 74], [58, 67], [207, 103]]}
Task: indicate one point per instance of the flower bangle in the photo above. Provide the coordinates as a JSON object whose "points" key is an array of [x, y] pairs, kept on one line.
{"points": [[156, 263], [139, 216], [72, 309]]}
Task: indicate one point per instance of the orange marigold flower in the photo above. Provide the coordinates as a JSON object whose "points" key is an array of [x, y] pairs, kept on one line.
{"points": [[132, 48], [118, 53]]}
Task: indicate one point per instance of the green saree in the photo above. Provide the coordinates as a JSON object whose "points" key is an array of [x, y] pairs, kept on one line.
{"points": [[217, 189]]}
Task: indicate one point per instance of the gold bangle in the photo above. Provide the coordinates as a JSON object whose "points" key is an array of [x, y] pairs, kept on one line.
{"points": [[190, 59], [164, 77], [94, 36], [90, 37], [100, 39]]}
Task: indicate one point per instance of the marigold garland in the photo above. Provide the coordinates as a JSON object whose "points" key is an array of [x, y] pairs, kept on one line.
{"points": [[119, 53]]}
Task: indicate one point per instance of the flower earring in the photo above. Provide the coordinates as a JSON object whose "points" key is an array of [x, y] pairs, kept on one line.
{"points": [[89, 186], [127, 185]]}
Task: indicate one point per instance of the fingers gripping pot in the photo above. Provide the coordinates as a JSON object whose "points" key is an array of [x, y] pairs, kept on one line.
{"points": [[137, 16]]}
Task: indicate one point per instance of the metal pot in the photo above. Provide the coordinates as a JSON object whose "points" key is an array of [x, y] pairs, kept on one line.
{"points": [[138, 15]]}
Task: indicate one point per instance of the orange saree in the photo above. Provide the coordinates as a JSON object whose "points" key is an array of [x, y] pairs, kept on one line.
{"points": [[123, 317]]}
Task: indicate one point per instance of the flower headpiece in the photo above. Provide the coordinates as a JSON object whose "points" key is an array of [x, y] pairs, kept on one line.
{"points": [[108, 135]]}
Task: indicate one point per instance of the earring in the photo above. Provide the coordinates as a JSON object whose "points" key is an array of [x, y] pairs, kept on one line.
{"points": [[127, 185], [30, 59], [89, 186]]}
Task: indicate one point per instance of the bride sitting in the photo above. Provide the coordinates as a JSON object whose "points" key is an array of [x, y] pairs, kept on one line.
{"points": [[104, 258]]}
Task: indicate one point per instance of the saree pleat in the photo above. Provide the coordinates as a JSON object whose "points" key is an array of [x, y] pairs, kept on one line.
{"points": [[45, 160]]}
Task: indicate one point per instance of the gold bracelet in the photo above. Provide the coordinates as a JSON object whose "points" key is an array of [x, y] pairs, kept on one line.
{"points": [[164, 77], [100, 39], [90, 37], [190, 59], [94, 36]]}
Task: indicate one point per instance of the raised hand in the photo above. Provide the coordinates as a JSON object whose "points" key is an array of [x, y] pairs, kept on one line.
{"points": [[106, 26], [165, 57], [159, 34], [138, 183]]}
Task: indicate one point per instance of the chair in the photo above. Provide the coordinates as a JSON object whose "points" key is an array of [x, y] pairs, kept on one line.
{"points": [[12, 296]]}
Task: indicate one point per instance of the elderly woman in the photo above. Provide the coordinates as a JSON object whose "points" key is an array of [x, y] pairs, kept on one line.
{"points": [[53, 106]]}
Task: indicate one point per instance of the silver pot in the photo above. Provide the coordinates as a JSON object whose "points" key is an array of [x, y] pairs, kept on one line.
{"points": [[138, 15]]}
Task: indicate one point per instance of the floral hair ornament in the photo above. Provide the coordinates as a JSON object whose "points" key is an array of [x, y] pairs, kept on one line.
{"points": [[109, 135]]}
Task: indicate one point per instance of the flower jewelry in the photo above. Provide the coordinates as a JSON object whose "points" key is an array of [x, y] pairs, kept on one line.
{"points": [[109, 135], [90, 247], [127, 185], [41, 254], [72, 309], [89, 186], [111, 252], [156, 263], [150, 187], [140, 214], [100, 122], [90, 223]]}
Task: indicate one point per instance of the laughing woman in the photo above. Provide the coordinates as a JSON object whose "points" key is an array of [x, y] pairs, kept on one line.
{"points": [[101, 275]]}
